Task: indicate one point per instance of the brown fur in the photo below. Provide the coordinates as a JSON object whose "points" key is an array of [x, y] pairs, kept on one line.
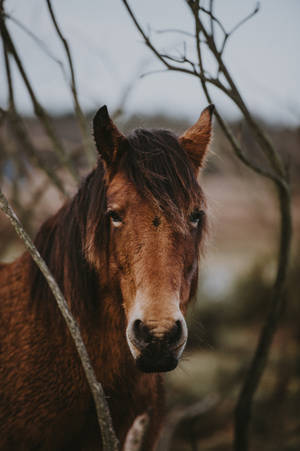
{"points": [[45, 403]]}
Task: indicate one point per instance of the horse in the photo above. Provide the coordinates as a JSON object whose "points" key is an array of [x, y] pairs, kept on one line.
{"points": [[125, 252]]}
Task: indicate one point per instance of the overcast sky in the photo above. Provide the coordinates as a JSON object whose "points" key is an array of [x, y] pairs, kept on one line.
{"points": [[263, 56]]}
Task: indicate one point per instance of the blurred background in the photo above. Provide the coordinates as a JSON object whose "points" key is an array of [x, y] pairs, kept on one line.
{"points": [[113, 66]]}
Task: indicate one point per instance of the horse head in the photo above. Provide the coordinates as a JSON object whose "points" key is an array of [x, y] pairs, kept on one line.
{"points": [[156, 213]]}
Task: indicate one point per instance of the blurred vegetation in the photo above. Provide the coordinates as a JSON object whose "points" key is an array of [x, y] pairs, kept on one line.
{"points": [[223, 333], [231, 306]]}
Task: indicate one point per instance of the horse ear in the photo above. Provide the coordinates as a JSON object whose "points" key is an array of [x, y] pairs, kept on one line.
{"points": [[195, 139], [107, 136]]}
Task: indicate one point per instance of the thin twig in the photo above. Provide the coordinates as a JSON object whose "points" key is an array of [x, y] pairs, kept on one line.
{"points": [[212, 81], [234, 144], [237, 149], [175, 30], [234, 94], [213, 18], [212, 22], [38, 109], [135, 437], [109, 439], [87, 141], [181, 60], [17, 128], [153, 72], [11, 98], [230, 33], [38, 41], [241, 155], [248, 17], [244, 405]]}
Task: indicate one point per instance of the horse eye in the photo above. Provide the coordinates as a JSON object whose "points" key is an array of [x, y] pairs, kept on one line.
{"points": [[115, 217], [196, 217]]}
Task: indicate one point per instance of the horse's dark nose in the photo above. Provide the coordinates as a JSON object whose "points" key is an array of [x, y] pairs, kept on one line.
{"points": [[157, 345], [152, 333]]}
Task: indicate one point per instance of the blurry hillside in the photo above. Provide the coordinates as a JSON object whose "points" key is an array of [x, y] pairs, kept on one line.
{"points": [[236, 273]]}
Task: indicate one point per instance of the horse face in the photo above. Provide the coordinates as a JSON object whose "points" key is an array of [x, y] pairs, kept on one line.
{"points": [[156, 264], [153, 259]]}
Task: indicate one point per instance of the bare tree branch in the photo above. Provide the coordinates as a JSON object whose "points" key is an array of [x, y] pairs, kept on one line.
{"points": [[259, 360], [38, 41], [175, 30], [136, 435], [212, 81], [238, 25], [87, 141], [38, 109], [213, 18], [235, 95], [204, 80], [212, 23], [277, 174], [109, 439], [235, 146], [248, 17], [17, 128], [153, 72]]}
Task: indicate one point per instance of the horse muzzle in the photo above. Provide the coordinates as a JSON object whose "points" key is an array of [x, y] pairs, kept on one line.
{"points": [[155, 349], [156, 358]]}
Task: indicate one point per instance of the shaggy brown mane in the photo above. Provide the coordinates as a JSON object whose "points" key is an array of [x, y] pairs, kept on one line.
{"points": [[60, 241], [157, 165], [161, 171]]}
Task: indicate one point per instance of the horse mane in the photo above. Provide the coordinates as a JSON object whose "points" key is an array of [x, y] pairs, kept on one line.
{"points": [[161, 171], [157, 165], [60, 242]]}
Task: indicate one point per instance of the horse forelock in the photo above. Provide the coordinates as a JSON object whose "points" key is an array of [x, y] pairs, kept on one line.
{"points": [[159, 168]]}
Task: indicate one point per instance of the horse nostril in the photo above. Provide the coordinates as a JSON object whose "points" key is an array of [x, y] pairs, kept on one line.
{"points": [[175, 333], [159, 336], [141, 331]]}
